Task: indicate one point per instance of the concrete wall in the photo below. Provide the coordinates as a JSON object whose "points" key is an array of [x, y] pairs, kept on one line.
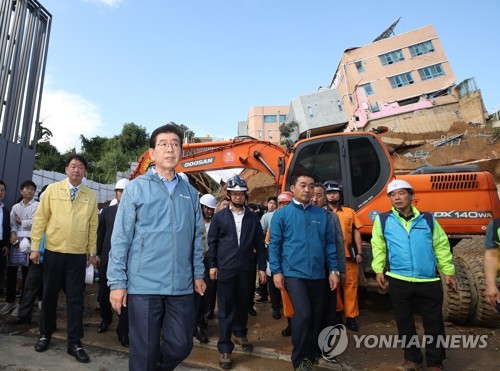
{"points": [[436, 118], [472, 108], [420, 121], [105, 192]]}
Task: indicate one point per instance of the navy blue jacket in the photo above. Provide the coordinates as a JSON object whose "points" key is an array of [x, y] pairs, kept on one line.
{"points": [[223, 250], [5, 242], [104, 232], [302, 242]]}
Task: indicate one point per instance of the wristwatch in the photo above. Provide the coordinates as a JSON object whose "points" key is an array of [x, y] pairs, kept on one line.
{"points": [[92, 254], [335, 272]]}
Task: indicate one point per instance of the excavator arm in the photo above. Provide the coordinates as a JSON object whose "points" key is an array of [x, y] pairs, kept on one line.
{"points": [[240, 152]]}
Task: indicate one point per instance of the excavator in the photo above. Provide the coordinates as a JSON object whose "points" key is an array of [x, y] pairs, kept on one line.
{"points": [[462, 198]]}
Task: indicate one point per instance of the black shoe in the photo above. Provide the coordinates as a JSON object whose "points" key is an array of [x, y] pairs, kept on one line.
{"points": [[261, 300], [210, 315], [287, 332], [79, 354], [339, 318], [225, 361], [103, 327], [252, 312], [351, 324], [200, 334], [42, 344], [19, 321], [276, 314], [123, 340]]}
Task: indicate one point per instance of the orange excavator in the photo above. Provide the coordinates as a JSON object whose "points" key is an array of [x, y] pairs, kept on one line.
{"points": [[462, 198]]}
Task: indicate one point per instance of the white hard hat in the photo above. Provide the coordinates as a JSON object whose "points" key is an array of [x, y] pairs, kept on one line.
{"points": [[89, 274], [208, 201], [183, 176], [399, 184], [25, 245], [121, 184]]}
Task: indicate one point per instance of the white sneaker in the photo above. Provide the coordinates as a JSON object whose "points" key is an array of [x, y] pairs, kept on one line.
{"points": [[7, 308], [39, 305], [15, 312]]}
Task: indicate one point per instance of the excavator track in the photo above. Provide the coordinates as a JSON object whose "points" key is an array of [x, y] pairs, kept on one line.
{"points": [[483, 313], [457, 304]]}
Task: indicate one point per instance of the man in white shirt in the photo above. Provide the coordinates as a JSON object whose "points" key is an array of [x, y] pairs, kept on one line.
{"points": [[21, 220]]}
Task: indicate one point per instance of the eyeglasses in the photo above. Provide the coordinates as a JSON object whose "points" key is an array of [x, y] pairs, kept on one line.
{"points": [[165, 145]]}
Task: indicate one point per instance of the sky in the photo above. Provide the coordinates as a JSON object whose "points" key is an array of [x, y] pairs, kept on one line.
{"points": [[204, 64]]}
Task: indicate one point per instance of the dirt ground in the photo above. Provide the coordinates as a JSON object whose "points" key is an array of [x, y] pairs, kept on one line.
{"points": [[376, 318]]}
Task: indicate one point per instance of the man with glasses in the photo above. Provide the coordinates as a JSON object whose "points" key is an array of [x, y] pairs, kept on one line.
{"points": [[235, 246], [156, 258]]}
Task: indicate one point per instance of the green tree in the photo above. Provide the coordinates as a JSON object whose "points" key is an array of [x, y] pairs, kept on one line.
{"points": [[47, 157], [287, 128], [93, 148], [43, 133], [133, 139]]}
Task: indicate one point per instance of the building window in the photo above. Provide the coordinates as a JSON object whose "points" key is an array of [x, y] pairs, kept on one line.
{"points": [[422, 48], [368, 88], [310, 110], [359, 66], [375, 107], [270, 134], [401, 80], [392, 57], [282, 118], [431, 72], [260, 134], [270, 118]]}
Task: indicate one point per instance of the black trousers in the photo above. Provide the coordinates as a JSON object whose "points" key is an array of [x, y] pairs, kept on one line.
{"points": [[11, 283], [330, 315], [428, 298], [211, 294], [105, 305], [152, 315], [202, 303], [3, 268], [32, 290], [63, 270], [235, 294], [308, 299], [274, 293]]}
